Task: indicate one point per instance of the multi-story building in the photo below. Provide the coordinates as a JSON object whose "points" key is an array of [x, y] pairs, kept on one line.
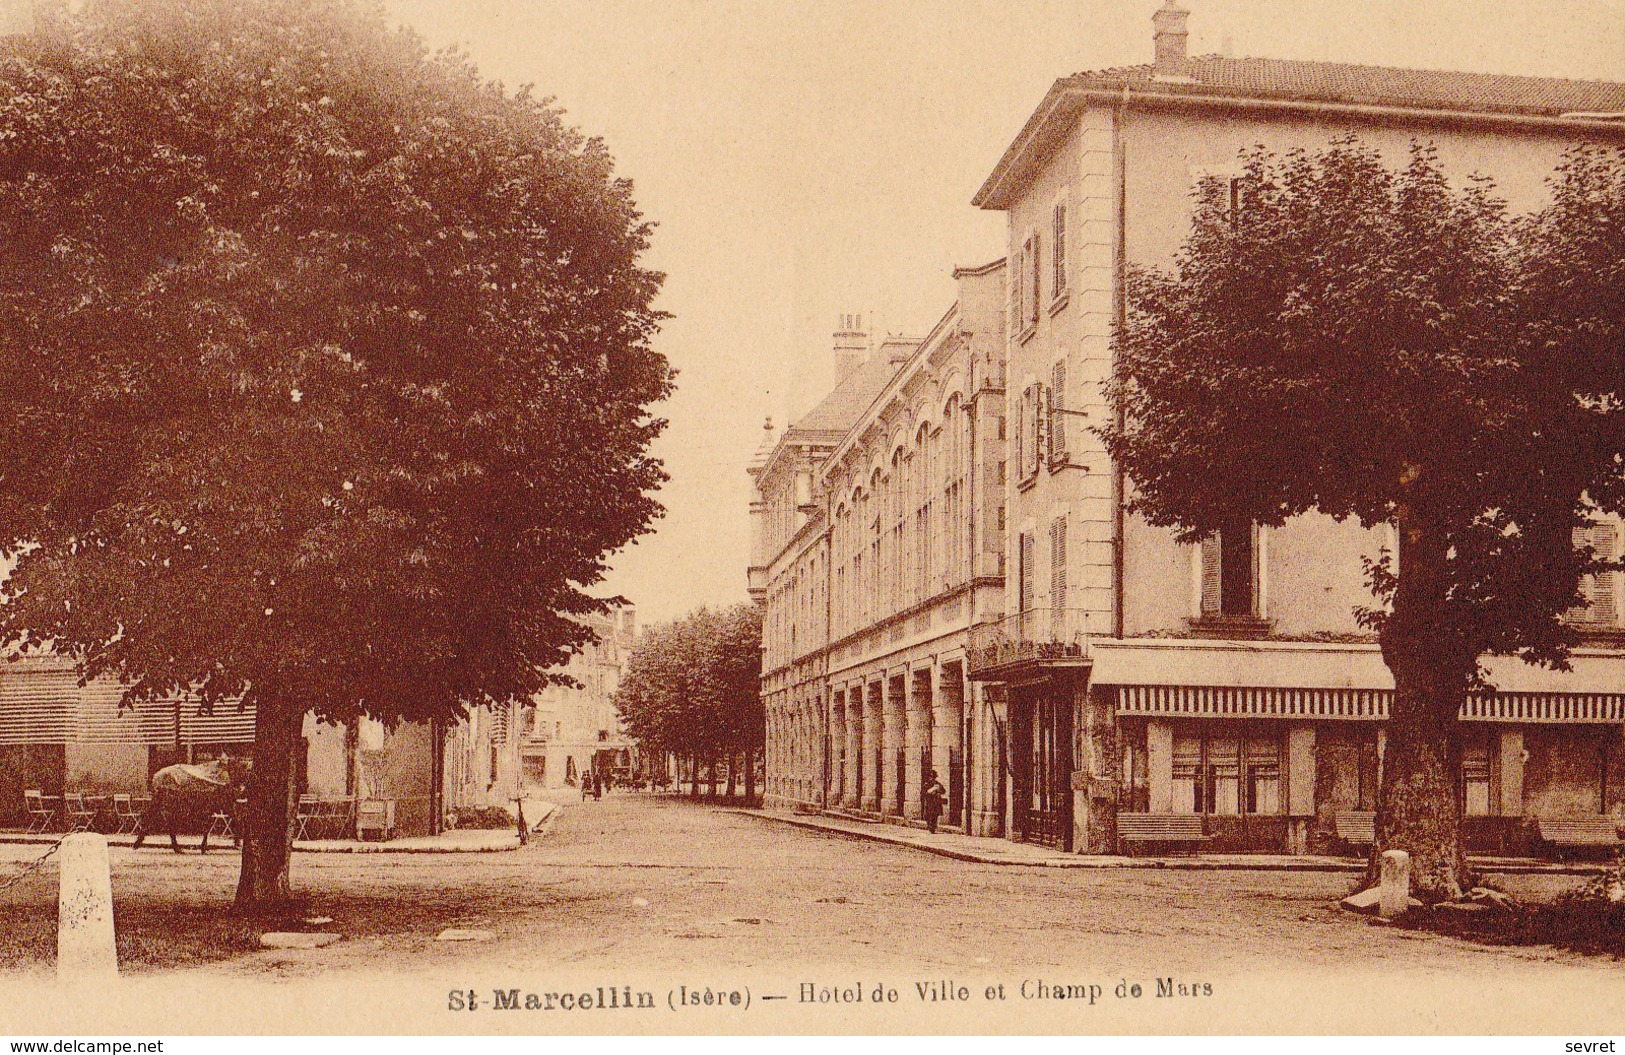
{"points": [[1229, 679], [878, 543], [1116, 670]]}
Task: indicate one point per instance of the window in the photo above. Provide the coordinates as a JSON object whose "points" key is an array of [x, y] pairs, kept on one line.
{"points": [[1031, 429], [1601, 605], [1057, 564], [1058, 281], [1034, 270], [1055, 412], [1226, 773], [1229, 572], [1024, 286]]}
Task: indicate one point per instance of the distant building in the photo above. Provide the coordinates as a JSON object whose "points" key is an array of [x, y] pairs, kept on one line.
{"points": [[878, 541]]}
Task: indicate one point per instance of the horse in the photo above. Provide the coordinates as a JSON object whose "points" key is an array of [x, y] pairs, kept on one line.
{"points": [[209, 788]]}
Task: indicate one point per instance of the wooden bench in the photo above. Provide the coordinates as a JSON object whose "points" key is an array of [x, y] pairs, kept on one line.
{"points": [[1355, 827], [1160, 828], [1583, 831]]}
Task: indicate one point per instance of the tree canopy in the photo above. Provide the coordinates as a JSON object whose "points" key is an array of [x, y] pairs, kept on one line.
{"points": [[692, 686], [1389, 345], [328, 361]]}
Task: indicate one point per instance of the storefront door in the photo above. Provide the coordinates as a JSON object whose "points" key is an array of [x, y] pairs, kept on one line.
{"points": [[1041, 766]]}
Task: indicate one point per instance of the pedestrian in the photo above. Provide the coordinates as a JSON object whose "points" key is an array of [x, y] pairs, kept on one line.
{"points": [[935, 793], [597, 787]]}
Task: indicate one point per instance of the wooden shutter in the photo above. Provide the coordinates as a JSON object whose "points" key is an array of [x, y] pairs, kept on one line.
{"points": [[1025, 601], [1058, 250], [1600, 590], [1603, 606], [1057, 563], [1035, 269], [1212, 581], [1057, 414]]}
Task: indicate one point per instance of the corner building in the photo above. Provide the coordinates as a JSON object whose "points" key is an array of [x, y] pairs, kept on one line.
{"points": [[1227, 682]]}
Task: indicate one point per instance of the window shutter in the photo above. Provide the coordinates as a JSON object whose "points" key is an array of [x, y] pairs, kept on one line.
{"points": [[1057, 414], [1021, 436], [1035, 266], [1026, 598], [1057, 564], [1212, 603], [1604, 607], [1058, 251], [1016, 309]]}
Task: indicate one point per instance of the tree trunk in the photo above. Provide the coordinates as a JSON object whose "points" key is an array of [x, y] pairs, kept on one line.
{"points": [[733, 775], [750, 777], [693, 776], [1419, 806], [711, 782], [268, 839]]}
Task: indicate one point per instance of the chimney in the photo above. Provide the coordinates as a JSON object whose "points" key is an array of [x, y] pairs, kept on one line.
{"points": [[1172, 62], [851, 346]]}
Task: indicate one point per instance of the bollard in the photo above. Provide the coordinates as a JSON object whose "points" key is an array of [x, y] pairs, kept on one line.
{"points": [[85, 948], [1396, 884]]}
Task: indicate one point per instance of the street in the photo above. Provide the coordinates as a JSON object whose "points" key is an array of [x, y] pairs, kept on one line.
{"points": [[649, 888], [657, 883]]}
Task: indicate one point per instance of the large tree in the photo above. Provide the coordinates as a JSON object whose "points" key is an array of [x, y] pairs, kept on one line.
{"points": [[692, 688], [327, 370], [1386, 345]]}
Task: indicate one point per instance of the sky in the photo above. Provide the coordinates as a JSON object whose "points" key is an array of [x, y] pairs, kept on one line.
{"points": [[803, 160]]}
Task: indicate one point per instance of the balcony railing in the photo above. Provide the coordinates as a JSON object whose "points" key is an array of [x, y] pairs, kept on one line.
{"points": [[1039, 637]]}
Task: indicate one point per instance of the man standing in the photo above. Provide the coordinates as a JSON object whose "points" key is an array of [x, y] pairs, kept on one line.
{"points": [[932, 800]]}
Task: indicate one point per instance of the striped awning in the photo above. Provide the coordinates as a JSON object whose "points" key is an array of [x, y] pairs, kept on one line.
{"points": [[41, 702], [1320, 704]]}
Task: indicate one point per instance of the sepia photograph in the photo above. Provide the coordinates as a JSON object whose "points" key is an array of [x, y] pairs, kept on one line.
{"points": [[878, 517]]}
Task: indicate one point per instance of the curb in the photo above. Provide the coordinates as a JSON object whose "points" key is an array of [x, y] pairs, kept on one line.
{"points": [[355, 848], [1193, 864]]}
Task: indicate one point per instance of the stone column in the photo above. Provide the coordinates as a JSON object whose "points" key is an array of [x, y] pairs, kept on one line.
{"points": [[893, 717], [1159, 765], [915, 737], [874, 700], [853, 768], [1512, 773]]}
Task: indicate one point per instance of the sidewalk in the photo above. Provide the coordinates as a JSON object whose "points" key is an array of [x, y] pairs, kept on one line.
{"points": [[1004, 852], [466, 841]]}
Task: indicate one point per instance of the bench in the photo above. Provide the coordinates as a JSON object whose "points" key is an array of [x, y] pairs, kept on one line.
{"points": [[1160, 828], [1585, 830], [1355, 827]]}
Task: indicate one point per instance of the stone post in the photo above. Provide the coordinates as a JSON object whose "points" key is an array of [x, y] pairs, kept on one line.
{"points": [[85, 947], [1396, 884]]}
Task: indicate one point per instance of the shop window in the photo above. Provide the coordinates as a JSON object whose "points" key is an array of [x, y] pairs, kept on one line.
{"points": [[1227, 775], [1475, 779]]}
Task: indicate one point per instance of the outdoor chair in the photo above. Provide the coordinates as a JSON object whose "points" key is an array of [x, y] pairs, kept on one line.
{"points": [[220, 824], [40, 815], [76, 814], [126, 818], [307, 814]]}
